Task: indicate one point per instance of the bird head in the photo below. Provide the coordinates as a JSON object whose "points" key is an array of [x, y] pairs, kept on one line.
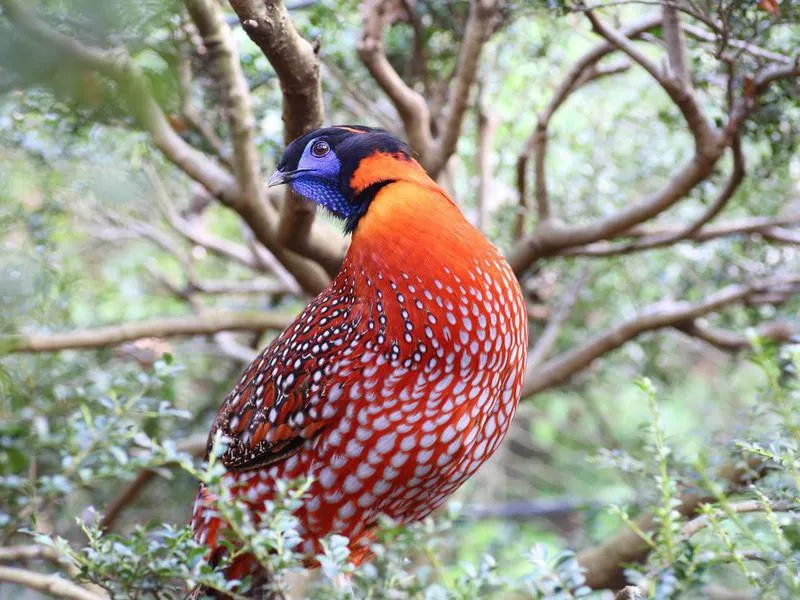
{"points": [[342, 168]]}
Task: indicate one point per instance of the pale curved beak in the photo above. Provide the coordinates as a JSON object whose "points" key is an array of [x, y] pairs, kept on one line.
{"points": [[279, 178]]}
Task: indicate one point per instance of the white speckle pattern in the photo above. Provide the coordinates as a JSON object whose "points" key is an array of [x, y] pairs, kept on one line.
{"points": [[389, 389]]}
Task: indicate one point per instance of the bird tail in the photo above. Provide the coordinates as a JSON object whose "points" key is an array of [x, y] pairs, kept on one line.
{"points": [[242, 566], [206, 526]]}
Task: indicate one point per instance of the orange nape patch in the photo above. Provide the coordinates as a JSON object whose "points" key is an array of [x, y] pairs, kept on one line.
{"points": [[384, 165]]}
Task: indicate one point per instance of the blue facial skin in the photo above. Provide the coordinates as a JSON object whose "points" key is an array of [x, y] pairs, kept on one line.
{"points": [[318, 180]]}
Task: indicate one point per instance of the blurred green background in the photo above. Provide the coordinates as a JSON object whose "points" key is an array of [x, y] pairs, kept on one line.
{"points": [[82, 244]]}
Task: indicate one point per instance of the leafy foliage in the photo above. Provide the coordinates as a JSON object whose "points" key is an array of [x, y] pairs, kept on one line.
{"points": [[115, 426]]}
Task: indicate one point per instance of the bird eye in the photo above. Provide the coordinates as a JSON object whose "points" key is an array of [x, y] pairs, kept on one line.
{"points": [[320, 149]]}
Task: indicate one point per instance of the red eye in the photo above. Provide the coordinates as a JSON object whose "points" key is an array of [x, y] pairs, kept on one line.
{"points": [[320, 149]]}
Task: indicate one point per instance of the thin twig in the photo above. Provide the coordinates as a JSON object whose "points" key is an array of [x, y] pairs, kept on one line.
{"points": [[547, 341], [648, 238], [604, 565], [746, 506], [112, 335], [196, 446]]}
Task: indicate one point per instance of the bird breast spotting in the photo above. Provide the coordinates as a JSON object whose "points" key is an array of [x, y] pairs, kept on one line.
{"points": [[398, 381]]}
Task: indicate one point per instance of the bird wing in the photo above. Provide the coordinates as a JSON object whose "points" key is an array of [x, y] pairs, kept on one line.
{"points": [[279, 402]]}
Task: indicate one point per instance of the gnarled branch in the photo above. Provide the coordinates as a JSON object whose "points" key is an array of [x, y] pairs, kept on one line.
{"points": [[414, 110], [296, 63], [218, 41], [553, 238], [583, 72], [678, 87], [410, 105], [479, 27], [676, 48]]}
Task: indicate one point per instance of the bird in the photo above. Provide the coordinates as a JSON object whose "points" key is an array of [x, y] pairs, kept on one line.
{"points": [[398, 381]]}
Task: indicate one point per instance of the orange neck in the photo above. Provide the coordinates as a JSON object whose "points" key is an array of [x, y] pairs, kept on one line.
{"points": [[411, 224], [414, 228]]}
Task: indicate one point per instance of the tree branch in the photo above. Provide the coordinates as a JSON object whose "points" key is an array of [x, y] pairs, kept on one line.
{"points": [[552, 237], [547, 341], [656, 316], [231, 348], [678, 88], [583, 72], [693, 230], [699, 33], [479, 27], [781, 236], [48, 584], [746, 506], [37, 552], [777, 331], [191, 114], [604, 566], [115, 226], [135, 86], [487, 127], [366, 107], [220, 287], [410, 105], [119, 66], [649, 238], [753, 87], [219, 44], [309, 238], [226, 249], [676, 48], [268, 261], [196, 446], [256, 257], [523, 510], [101, 337], [296, 63], [29, 552], [413, 108]]}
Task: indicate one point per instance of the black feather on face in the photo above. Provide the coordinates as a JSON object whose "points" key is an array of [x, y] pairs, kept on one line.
{"points": [[319, 166]]}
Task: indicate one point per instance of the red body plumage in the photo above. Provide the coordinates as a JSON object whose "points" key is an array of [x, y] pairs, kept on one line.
{"points": [[395, 384]]}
